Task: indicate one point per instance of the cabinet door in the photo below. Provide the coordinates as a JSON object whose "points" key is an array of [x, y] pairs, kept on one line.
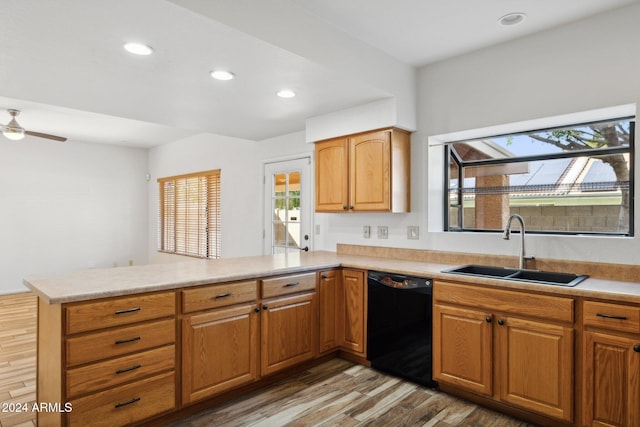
{"points": [[611, 380], [353, 333], [219, 351], [332, 176], [370, 171], [536, 366], [329, 309], [463, 348], [289, 331]]}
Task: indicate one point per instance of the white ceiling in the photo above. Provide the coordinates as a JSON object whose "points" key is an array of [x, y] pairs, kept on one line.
{"points": [[63, 65]]}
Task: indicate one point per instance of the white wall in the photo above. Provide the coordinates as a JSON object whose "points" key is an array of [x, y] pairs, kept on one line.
{"points": [[240, 182], [587, 65], [241, 162], [69, 206]]}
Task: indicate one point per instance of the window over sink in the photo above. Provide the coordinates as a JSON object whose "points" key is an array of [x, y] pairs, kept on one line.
{"points": [[574, 179]]}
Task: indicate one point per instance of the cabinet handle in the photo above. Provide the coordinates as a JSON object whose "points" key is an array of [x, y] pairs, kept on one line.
{"points": [[488, 319], [128, 340], [128, 310], [289, 285], [611, 316], [128, 402], [500, 322], [324, 276], [344, 207], [257, 309], [132, 368], [351, 207], [225, 295], [265, 307], [636, 348]]}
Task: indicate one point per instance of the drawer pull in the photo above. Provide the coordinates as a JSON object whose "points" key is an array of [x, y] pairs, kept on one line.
{"points": [[611, 316], [128, 310], [132, 368], [225, 295], [289, 285], [128, 340], [128, 402]]}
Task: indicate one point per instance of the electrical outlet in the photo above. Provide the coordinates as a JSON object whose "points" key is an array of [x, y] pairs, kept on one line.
{"points": [[383, 232], [366, 231], [413, 232]]}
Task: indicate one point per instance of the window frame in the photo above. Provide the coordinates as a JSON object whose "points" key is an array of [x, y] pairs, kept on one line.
{"points": [[449, 154], [212, 216]]}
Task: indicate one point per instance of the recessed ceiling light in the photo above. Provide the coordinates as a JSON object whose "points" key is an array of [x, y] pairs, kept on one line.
{"points": [[222, 75], [286, 93], [512, 18], [138, 48]]}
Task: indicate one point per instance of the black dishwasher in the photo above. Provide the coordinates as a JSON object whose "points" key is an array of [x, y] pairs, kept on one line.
{"points": [[399, 326]]}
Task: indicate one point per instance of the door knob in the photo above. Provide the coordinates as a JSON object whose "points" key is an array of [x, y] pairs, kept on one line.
{"points": [[636, 348], [488, 319], [500, 322]]}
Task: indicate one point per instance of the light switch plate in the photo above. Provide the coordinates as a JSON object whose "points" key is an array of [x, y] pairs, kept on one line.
{"points": [[413, 232], [383, 232], [366, 231]]}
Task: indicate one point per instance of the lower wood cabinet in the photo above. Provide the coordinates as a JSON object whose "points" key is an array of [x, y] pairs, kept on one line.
{"points": [[353, 311], [329, 310], [125, 360], [463, 348], [536, 366], [113, 360], [522, 340], [611, 364], [220, 351], [232, 344], [289, 331], [125, 404]]}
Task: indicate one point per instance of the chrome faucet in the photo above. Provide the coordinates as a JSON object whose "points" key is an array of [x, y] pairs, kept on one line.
{"points": [[507, 234]]}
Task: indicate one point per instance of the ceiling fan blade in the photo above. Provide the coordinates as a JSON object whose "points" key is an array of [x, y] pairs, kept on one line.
{"points": [[46, 135]]}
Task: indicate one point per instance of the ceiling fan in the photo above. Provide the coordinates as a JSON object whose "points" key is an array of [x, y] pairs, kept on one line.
{"points": [[15, 132]]}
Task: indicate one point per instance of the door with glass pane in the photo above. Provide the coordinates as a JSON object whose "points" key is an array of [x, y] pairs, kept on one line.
{"points": [[287, 209]]}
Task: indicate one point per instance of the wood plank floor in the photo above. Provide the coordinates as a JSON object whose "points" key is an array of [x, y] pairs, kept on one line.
{"points": [[17, 357], [341, 394], [337, 393]]}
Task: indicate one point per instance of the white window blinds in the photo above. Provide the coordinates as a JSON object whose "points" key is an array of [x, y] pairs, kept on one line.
{"points": [[189, 214]]}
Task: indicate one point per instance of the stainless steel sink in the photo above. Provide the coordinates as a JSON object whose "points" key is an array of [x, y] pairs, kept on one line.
{"points": [[521, 275]]}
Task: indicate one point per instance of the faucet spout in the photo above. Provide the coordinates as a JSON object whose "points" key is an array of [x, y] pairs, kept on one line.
{"points": [[507, 234]]}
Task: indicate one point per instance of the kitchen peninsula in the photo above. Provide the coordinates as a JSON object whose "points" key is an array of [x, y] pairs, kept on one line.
{"points": [[128, 344]]}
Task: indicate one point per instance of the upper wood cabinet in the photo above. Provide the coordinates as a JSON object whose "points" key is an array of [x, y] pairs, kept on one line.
{"points": [[367, 172]]}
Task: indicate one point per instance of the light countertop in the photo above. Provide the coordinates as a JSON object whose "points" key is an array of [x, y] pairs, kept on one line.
{"points": [[110, 282]]}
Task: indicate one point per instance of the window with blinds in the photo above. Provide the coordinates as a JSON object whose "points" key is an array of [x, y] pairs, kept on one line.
{"points": [[189, 214]]}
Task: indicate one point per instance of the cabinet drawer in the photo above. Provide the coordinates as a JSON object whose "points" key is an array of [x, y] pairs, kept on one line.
{"points": [[125, 404], [218, 296], [545, 307], [101, 375], [118, 311], [121, 341], [616, 317], [288, 284]]}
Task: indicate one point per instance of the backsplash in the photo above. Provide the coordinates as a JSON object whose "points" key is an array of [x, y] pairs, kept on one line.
{"points": [[622, 272]]}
